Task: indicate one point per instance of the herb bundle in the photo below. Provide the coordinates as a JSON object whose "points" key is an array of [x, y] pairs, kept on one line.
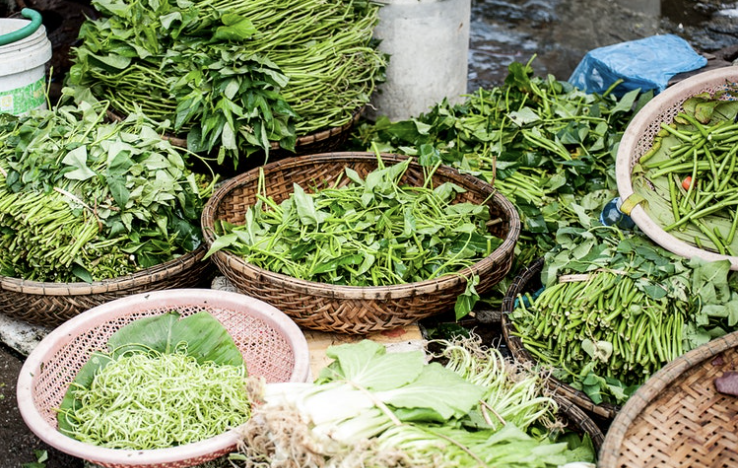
{"points": [[84, 200], [372, 232], [398, 411], [232, 76]]}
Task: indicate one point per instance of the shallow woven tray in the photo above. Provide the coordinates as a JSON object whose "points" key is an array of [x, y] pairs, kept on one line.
{"points": [[677, 418], [578, 420], [348, 309], [272, 346], [638, 139], [529, 281], [52, 303]]}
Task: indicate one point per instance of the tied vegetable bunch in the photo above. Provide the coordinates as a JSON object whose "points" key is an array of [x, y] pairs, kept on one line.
{"points": [[687, 180], [615, 308], [232, 76], [479, 410], [540, 141], [85, 200], [373, 231]]}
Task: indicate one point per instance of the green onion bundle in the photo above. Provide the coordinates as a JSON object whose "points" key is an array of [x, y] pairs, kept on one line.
{"points": [[143, 401], [81, 200]]}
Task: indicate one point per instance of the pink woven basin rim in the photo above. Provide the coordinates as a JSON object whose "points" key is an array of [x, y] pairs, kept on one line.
{"points": [[273, 347]]}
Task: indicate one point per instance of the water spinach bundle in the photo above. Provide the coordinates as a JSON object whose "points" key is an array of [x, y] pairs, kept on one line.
{"points": [[616, 308], [232, 76], [163, 381], [85, 200], [479, 410], [371, 232], [688, 178], [541, 142]]}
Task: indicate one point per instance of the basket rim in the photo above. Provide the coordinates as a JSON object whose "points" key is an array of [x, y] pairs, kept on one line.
{"points": [[626, 153], [653, 387], [92, 317], [139, 278], [518, 350], [358, 292], [306, 139]]}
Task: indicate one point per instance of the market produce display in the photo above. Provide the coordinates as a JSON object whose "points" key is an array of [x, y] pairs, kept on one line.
{"points": [[371, 232], [85, 200], [478, 410], [232, 76], [616, 308], [543, 144], [162, 382], [686, 181]]}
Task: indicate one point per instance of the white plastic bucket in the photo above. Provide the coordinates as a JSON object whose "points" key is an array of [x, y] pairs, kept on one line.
{"points": [[23, 69], [428, 44]]}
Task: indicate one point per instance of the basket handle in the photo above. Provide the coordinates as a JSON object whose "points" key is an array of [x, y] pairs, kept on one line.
{"points": [[25, 31]]}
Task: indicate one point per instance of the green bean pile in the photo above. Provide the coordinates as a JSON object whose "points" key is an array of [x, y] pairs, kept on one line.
{"points": [[153, 401], [689, 176], [629, 335], [85, 201]]}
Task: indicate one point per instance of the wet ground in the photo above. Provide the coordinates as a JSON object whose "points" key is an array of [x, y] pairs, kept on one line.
{"points": [[557, 32]]}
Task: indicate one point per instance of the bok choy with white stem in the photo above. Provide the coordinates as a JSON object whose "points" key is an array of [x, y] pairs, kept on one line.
{"points": [[370, 408]]}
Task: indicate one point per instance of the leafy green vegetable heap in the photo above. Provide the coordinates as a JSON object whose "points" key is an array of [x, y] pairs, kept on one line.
{"points": [[81, 200], [162, 382], [372, 232], [234, 76], [398, 411], [617, 307], [688, 178], [543, 143]]}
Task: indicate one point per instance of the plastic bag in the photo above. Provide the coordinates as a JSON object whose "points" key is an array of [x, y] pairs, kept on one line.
{"points": [[647, 64]]}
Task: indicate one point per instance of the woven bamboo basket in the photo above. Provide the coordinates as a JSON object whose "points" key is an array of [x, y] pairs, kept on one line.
{"points": [[639, 137], [577, 420], [529, 281], [349, 309], [52, 303], [678, 418]]}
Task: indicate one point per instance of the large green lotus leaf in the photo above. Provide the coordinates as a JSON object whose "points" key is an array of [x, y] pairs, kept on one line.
{"points": [[206, 338]]}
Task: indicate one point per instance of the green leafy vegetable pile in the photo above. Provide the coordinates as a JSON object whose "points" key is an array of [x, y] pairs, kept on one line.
{"points": [[688, 178], [397, 411], [617, 307], [85, 200], [372, 232], [233, 76], [543, 144], [163, 382]]}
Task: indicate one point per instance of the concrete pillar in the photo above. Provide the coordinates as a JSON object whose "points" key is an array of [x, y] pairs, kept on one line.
{"points": [[428, 43]]}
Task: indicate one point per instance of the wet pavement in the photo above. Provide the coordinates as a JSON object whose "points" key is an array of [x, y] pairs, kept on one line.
{"points": [[557, 32]]}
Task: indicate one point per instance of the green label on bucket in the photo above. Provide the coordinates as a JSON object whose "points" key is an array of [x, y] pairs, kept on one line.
{"points": [[21, 100]]}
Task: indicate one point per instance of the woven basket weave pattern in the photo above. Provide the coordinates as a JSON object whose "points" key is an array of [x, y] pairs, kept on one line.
{"points": [[271, 349], [353, 309], [50, 304], [529, 281], [677, 418]]}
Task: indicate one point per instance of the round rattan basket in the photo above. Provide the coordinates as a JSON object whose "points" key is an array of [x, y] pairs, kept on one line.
{"points": [[272, 345], [50, 304], [638, 139], [529, 281], [348, 309], [678, 418], [576, 419]]}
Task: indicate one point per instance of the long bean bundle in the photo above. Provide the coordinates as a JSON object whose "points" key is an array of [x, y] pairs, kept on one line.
{"points": [[234, 75], [84, 200], [616, 307], [688, 177]]}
